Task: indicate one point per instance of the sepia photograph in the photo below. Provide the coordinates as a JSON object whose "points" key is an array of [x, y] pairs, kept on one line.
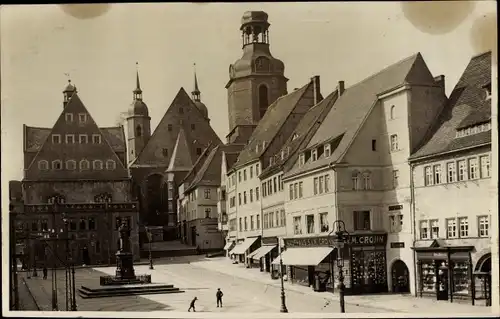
{"points": [[250, 160]]}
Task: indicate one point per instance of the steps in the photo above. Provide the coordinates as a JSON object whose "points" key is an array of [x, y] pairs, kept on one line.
{"points": [[127, 290]]}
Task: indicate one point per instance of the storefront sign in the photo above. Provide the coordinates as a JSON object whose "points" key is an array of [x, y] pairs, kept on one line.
{"points": [[353, 240], [397, 245], [269, 240], [395, 207]]}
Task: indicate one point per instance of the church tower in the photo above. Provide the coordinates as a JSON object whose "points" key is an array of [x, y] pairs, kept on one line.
{"points": [[255, 80], [138, 123]]}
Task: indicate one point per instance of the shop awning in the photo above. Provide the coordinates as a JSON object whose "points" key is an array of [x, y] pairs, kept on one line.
{"points": [[228, 245], [262, 251], [307, 256], [240, 249], [253, 253]]}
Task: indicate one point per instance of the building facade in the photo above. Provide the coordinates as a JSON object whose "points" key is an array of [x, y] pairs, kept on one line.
{"points": [[451, 190], [76, 172]]}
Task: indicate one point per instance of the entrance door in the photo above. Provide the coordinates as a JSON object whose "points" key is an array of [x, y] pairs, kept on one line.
{"points": [[442, 282], [85, 255], [193, 236], [400, 277]]}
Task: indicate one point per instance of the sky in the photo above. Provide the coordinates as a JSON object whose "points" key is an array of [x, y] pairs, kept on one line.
{"points": [[98, 46]]}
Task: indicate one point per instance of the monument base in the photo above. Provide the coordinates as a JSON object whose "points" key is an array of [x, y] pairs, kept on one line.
{"points": [[87, 292]]}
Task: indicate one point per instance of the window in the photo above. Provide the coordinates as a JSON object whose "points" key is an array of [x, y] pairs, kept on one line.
{"points": [[434, 228], [256, 193], [246, 223], [70, 165], [280, 183], [57, 165], [72, 225], [257, 169], [361, 220], [251, 223], [138, 131], [327, 183], [269, 187], [271, 219], [424, 229], [181, 110], [277, 219], [315, 186], [34, 226], [251, 171], [169, 127], [393, 112], [355, 180], [396, 222], [327, 150], [91, 223], [275, 185], [451, 168], [374, 145], [463, 223], [244, 174], [295, 190], [251, 196], [300, 190], [257, 226], [302, 159], [82, 224], [263, 100], [451, 228], [314, 154], [323, 222], [96, 138], [207, 193], [70, 138], [264, 190], [485, 166], [483, 226], [239, 199], [395, 178], [208, 212], [291, 192], [198, 151], [44, 225], [321, 183], [56, 139], [193, 127], [110, 165], [239, 176], [265, 221], [244, 197], [462, 170], [429, 180], [297, 225], [437, 174], [164, 152], [232, 201], [83, 138], [84, 165], [82, 117], [97, 164], [394, 143], [367, 182], [240, 224], [473, 168], [69, 117], [43, 165]]}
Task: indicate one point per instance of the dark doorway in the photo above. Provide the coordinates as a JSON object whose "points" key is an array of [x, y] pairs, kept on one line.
{"points": [[85, 255], [442, 281], [193, 236], [154, 199], [400, 277]]}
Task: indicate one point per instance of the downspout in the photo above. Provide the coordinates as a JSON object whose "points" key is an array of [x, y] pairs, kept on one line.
{"points": [[336, 207], [414, 228]]}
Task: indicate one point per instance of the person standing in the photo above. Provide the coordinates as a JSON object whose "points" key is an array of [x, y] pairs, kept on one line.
{"points": [[219, 295], [191, 305], [44, 270]]}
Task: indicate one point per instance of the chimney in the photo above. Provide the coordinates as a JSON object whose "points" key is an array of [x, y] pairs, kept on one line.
{"points": [[439, 80], [341, 88], [316, 89]]}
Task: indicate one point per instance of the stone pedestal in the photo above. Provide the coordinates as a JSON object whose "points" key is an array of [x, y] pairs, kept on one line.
{"points": [[125, 266]]}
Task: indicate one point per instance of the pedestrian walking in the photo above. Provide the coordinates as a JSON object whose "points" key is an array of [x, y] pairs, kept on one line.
{"points": [[191, 305], [219, 295], [44, 270]]}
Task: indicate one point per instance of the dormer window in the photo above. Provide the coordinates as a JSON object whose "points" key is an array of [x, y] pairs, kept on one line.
{"points": [[82, 117], [69, 117], [471, 130], [264, 145], [282, 154], [256, 148], [271, 160], [327, 150], [487, 88], [302, 159], [314, 154], [307, 155], [295, 136]]}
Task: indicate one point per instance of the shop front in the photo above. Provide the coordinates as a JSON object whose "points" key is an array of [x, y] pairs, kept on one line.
{"points": [[445, 272], [266, 253], [229, 245], [364, 262], [245, 247]]}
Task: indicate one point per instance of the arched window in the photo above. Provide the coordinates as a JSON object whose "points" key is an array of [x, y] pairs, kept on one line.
{"points": [[84, 165], [103, 198], [43, 165], [57, 164], [70, 165], [355, 180], [138, 131], [367, 182], [393, 112], [97, 164], [110, 164], [56, 198], [263, 100]]}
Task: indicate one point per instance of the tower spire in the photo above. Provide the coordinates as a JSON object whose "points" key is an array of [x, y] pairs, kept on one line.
{"points": [[137, 91], [196, 92]]}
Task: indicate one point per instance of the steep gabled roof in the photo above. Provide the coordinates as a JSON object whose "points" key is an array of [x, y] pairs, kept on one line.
{"points": [[302, 134], [209, 173], [63, 151], [269, 126], [197, 165], [352, 107], [182, 113], [466, 107], [180, 159]]}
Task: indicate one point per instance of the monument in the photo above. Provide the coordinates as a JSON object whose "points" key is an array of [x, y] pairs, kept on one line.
{"points": [[124, 257]]}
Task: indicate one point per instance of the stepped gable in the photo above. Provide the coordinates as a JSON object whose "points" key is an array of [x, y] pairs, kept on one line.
{"points": [[181, 158], [302, 134], [353, 106], [270, 125], [64, 151], [182, 113], [466, 107]]}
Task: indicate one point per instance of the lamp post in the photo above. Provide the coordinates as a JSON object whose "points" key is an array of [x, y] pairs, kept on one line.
{"points": [[283, 303], [341, 237], [150, 235], [70, 270]]}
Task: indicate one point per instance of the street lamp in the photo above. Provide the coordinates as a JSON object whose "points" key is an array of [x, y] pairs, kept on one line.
{"points": [[70, 270], [340, 240], [150, 237], [283, 304]]}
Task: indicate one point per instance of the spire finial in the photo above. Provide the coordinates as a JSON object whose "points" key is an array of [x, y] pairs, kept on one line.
{"points": [[137, 91], [196, 91]]}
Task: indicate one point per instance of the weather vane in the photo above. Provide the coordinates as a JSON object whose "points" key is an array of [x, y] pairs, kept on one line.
{"points": [[67, 75]]}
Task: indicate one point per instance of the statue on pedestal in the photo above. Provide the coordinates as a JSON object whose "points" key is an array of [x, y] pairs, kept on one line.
{"points": [[124, 257]]}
